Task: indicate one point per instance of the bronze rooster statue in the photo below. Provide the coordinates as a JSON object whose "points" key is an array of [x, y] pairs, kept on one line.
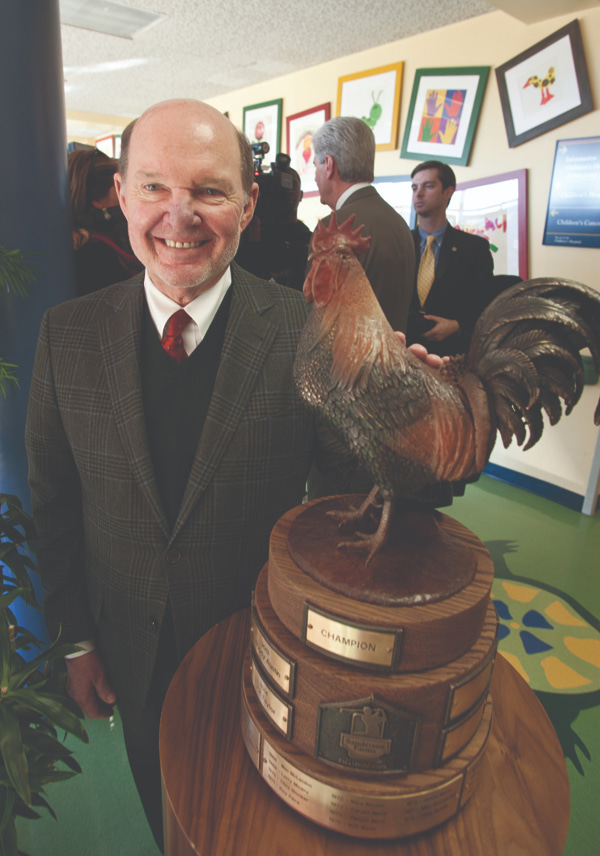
{"points": [[411, 425]]}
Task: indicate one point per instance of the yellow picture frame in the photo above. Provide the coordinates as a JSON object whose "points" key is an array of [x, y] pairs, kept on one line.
{"points": [[374, 96]]}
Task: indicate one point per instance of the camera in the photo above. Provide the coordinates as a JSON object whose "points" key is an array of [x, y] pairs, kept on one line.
{"points": [[259, 150]]}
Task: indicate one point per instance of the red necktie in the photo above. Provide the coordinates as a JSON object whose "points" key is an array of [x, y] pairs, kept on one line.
{"points": [[172, 340]]}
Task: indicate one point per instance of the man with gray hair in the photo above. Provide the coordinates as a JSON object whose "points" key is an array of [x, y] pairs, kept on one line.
{"points": [[344, 160]]}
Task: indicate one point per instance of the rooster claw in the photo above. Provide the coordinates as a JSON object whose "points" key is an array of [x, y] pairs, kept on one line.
{"points": [[363, 541], [352, 513]]}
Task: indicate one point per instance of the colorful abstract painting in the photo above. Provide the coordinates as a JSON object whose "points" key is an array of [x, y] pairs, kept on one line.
{"points": [[442, 115], [444, 107]]}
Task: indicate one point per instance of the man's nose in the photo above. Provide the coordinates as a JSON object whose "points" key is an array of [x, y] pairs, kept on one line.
{"points": [[183, 211]]}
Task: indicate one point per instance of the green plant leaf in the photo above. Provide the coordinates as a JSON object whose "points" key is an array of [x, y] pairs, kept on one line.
{"points": [[8, 839], [39, 801], [16, 271], [13, 754], [7, 802], [53, 707], [38, 782], [43, 743], [54, 652]]}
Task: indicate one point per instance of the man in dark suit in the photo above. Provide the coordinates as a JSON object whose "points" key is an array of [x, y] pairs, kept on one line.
{"points": [[163, 448], [445, 306], [157, 476], [344, 159]]}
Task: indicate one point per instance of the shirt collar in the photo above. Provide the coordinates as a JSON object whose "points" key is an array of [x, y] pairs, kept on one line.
{"points": [[201, 310], [438, 234], [349, 191]]}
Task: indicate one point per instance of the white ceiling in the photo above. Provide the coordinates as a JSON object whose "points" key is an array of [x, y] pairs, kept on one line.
{"points": [[203, 49]]}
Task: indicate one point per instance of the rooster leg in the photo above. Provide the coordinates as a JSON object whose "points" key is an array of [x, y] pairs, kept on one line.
{"points": [[357, 513], [375, 541]]}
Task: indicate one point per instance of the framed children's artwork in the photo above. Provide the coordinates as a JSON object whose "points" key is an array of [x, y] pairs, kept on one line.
{"points": [[443, 113], [545, 86], [262, 124], [301, 128], [496, 209], [374, 97]]}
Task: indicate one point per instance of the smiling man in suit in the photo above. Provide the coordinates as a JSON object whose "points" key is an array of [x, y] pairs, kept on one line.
{"points": [[454, 268], [163, 447], [161, 451]]}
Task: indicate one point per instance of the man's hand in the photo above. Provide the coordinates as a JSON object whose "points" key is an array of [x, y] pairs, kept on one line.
{"points": [[444, 327], [87, 685], [422, 353]]}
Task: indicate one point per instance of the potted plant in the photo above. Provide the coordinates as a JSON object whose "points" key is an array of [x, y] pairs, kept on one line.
{"points": [[33, 704]]}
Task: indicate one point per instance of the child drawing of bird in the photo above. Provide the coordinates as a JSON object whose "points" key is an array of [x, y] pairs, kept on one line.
{"points": [[544, 85]]}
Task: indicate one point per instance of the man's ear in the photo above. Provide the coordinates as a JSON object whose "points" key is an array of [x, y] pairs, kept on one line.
{"points": [[120, 188], [330, 166], [249, 207]]}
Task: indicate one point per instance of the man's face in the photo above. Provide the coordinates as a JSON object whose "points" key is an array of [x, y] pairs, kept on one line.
{"points": [[322, 181], [183, 196], [428, 195]]}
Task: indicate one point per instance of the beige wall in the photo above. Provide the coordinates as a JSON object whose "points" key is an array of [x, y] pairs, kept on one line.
{"points": [[564, 455]]}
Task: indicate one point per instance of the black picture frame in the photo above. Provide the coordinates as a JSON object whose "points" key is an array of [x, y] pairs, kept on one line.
{"points": [[562, 55]]}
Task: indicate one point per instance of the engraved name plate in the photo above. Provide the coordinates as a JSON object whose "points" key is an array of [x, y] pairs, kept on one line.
{"points": [[453, 739], [358, 643], [251, 736], [276, 665], [276, 709], [468, 693], [354, 813]]}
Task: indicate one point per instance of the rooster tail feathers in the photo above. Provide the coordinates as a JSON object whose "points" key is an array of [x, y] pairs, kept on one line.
{"points": [[525, 348]]}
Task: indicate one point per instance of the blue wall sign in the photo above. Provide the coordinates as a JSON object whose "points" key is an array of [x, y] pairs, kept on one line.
{"points": [[573, 217]]}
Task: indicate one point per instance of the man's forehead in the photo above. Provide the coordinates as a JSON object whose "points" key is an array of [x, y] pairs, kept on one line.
{"points": [[425, 176]]}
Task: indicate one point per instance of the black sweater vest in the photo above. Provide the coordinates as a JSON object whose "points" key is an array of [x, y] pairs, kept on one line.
{"points": [[176, 399]]}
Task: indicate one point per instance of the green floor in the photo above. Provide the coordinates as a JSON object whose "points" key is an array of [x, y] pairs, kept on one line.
{"points": [[530, 539]]}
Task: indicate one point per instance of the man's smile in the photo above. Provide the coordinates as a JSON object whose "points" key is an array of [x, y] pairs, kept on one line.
{"points": [[183, 245]]}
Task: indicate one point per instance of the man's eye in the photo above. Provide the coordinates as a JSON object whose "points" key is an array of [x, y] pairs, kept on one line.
{"points": [[151, 187]]}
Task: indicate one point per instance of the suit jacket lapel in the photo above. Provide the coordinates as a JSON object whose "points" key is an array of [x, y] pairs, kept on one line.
{"points": [[248, 340], [446, 252], [120, 345]]}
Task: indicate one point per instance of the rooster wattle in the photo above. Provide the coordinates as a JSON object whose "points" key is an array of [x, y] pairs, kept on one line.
{"points": [[412, 426]]}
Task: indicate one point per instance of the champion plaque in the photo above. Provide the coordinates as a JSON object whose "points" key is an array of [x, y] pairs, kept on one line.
{"points": [[358, 643]]}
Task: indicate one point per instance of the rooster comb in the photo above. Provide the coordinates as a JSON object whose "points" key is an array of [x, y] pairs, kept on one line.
{"points": [[333, 236]]}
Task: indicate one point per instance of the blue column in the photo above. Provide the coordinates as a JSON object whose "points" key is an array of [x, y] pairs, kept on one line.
{"points": [[34, 204]]}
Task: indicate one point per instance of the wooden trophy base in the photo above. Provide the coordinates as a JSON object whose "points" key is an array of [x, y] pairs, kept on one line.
{"points": [[373, 808], [313, 700], [393, 638], [421, 561]]}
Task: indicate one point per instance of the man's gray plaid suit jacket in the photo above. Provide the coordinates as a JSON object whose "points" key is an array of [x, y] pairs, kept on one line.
{"points": [[108, 560]]}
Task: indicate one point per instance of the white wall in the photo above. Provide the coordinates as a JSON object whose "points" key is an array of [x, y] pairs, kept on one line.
{"points": [[563, 456]]}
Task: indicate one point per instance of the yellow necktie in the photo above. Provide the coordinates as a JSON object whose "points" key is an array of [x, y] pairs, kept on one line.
{"points": [[426, 273]]}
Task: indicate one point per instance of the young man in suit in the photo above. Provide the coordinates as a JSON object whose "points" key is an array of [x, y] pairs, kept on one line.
{"points": [[444, 309], [163, 448], [344, 161]]}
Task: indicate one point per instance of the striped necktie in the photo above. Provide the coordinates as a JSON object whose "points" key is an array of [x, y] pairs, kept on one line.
{"points": [[172, 340], [426, 273]]}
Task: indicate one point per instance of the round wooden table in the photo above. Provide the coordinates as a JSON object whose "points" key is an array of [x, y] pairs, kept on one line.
{"points": [[215, 803]]}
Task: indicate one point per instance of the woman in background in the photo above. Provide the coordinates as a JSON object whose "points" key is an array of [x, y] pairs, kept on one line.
{"points": [[103, 254]]}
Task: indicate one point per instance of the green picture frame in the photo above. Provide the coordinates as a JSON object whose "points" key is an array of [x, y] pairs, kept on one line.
{"points": [[262, 124], [442, 116]]}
